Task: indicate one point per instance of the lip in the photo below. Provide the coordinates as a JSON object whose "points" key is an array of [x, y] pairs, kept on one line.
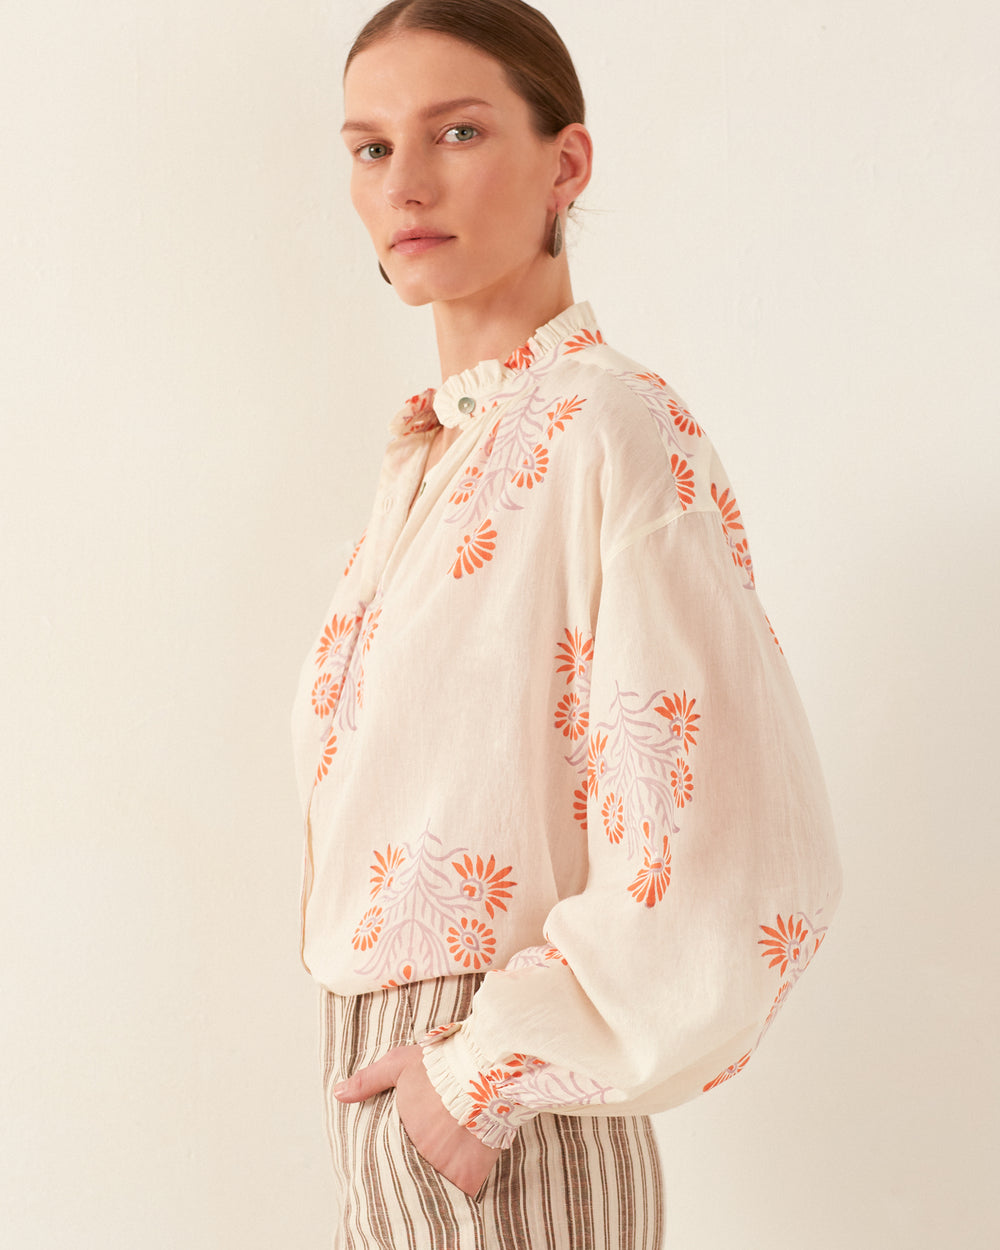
{"points": [[419, 239]]}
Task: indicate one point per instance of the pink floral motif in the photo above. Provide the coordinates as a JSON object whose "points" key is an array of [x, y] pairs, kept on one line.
{"points": [[433, 906], [580, 808]]}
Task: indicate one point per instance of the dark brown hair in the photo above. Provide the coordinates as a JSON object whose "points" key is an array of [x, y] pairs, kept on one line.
{"points": [[527, 45]]}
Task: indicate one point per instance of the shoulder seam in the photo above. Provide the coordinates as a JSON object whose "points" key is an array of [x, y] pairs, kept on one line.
{"points": [[651, 527]]}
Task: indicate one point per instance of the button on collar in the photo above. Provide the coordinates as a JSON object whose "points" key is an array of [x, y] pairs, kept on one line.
{"points": [[466, 404]]}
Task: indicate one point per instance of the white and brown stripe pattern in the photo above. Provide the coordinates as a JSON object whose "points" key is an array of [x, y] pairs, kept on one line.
{"points": [[567, 1182]]}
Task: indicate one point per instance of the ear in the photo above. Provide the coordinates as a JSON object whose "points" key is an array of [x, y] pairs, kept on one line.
{"points": [[575, 163]]}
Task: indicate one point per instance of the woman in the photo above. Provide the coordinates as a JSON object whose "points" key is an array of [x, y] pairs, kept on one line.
{"points": [[567, 844]]}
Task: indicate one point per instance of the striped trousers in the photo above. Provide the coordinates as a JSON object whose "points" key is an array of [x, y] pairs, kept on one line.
{"points": [[567, 1182]]}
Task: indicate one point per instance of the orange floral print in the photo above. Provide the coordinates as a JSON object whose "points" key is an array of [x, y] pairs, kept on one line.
{"points": [[485, 883], [683, 480], [729, 1073], [571, 716], [326, 759], [679, 711], [384, 869], [354, 555], [653, 877], [418, 413], [681, 783], [368, 629], [335, 635], [683, 419], [467, 485], [475, 550], [773, 634], [653, 378], [789, 944], [580, 808], [741, 558], [521, 358], [368, 930], [405, 974], [575, 655], [325, 692], [471, 944], [533, 468], [562, 414], [613, 814], [586, 338], [442, 1030], [597, 764], [731, 519], [488, 1101]]}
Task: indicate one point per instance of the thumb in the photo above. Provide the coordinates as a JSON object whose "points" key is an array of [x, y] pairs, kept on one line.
{"points": [[376, 1077]]}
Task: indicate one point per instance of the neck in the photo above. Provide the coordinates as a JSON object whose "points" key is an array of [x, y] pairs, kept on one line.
{"points": [[493, 323]]}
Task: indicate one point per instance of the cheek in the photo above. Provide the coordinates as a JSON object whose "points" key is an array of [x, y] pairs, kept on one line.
{"points": [[363, 201]]}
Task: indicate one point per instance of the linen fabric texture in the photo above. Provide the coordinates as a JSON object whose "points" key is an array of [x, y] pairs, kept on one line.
{"points": [[547, 733], [565, 1183]]}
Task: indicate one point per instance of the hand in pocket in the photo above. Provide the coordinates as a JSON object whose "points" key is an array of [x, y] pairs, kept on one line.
{"points": [[448, 1147]]}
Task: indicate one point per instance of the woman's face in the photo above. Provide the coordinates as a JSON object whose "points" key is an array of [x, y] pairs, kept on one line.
{"points": [[449, 176]]}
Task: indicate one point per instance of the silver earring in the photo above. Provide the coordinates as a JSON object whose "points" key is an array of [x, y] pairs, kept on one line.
{"points": [[384, 274], [556, 237]]}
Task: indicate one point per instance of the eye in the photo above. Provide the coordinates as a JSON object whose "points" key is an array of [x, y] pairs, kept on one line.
{"points": [[460, 134], [369, 152]]}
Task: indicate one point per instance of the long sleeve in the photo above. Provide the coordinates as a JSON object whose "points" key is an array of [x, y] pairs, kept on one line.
{"points": [[711, 866]]}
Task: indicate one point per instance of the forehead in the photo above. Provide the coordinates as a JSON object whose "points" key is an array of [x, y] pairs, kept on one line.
{"points": [[410, 70]]}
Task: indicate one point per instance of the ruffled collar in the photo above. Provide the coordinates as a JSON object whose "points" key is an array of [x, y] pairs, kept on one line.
{"points": [[460, 397]]}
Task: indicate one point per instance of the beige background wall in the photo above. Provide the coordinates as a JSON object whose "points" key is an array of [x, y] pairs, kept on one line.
{"points": [[794, 220]]}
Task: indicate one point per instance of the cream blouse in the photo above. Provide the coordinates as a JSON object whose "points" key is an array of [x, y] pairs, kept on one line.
{"points": [[547, 730]]}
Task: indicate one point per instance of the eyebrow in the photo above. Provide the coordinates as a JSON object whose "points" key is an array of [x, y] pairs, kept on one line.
{"points": [[432, 110]]}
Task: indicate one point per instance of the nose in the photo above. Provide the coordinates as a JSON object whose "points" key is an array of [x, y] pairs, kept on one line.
{"points": [[410, 180]]}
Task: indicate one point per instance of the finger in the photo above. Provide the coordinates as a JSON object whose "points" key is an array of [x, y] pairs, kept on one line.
{"points": [[373, 1079]]}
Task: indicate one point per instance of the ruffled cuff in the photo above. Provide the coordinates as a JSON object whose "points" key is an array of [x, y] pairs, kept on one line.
{"points": [[475, 1093]]}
